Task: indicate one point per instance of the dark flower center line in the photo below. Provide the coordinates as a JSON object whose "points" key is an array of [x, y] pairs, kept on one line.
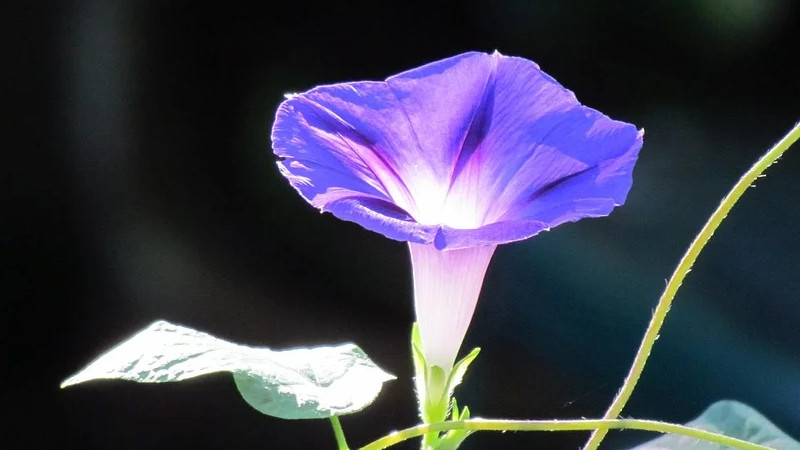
{"points": [[371, 146], [481, 104], [542, 191], [553, 185], [383, 197], [490, 78], [518, 168]]}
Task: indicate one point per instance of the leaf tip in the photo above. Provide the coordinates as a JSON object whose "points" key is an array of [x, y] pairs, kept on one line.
{"points": [[71, 381]]}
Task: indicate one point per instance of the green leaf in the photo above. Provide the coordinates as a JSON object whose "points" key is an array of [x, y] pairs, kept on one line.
{"points": [[730, 418], [304, 383]]}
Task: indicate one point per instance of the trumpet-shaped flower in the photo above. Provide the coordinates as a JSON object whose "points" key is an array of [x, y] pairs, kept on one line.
{"points": [[454, 157]]}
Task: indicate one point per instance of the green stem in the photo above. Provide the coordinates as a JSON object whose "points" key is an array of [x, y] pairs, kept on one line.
{"points": [[559, 425], [429, 440], [683, 268], [339, 433]]}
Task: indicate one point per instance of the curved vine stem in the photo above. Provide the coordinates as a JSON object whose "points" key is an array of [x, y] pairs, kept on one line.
{"points": [[559, 425], [610, 421], [685, 265]]}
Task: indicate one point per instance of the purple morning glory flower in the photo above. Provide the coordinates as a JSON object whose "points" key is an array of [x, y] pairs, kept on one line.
{"points": [[455, 157]]}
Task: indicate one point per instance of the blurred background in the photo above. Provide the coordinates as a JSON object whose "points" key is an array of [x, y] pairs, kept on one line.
{"points": [[139, 184]]}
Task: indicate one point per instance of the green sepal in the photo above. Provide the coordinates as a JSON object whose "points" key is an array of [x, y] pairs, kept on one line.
{"points": [[435, 390], [459, 370], [454, 438], [420, 370], [454, 414], [465, 414]]}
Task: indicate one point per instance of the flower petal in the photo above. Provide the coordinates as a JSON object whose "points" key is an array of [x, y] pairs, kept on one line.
{"points": [[476, 149], [543, 152], [394, 140], [592, 192], [382, 217]]}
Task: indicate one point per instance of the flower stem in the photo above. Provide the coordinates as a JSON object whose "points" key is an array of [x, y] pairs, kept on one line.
{"points": [[339, 433], [685, 265], [559, 425]]}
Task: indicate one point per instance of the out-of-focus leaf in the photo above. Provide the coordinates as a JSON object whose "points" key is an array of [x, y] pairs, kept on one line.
{"points": [[305, 383], [730, 418]]}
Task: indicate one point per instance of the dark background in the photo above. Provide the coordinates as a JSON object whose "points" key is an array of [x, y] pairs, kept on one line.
{"points": [[139, 184]]}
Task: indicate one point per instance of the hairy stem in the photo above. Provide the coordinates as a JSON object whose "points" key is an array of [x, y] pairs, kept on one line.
{"points": [[559, 425], [685, 265]]}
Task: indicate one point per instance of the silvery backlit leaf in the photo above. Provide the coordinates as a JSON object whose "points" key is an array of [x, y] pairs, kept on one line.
{"points": [[304, 383]]}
